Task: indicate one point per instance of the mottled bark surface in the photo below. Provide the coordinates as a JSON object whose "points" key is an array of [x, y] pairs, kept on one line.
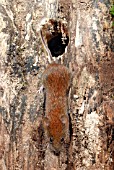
{"points": [[90, 58]]}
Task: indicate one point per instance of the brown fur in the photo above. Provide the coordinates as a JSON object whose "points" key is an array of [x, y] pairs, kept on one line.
{"points": [[56, 80]]}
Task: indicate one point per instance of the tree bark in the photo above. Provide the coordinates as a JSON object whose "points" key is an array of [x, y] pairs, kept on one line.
{"points": [[90, 59]]}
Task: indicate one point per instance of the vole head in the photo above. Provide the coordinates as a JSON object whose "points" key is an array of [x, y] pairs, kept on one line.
{"points": [[57, 133]]}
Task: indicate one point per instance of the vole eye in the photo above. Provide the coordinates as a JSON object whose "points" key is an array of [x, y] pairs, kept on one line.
{"points": [[62, 140], [51, 140]]}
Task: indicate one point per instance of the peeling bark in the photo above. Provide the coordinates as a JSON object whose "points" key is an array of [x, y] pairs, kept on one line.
{"points": [[90, 58]]}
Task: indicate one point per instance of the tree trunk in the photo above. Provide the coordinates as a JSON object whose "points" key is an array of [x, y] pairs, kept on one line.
{"points": [[90, 59]]}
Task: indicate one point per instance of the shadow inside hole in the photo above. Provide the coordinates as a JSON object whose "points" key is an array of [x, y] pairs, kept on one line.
{"points": [[57, 44]]}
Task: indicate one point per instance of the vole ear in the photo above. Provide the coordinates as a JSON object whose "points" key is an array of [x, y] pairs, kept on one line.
{"points": [[45, 122], [64, 119]]}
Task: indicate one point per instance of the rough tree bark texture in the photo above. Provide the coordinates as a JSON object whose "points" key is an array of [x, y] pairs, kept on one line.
{"points": [[90, 58]]}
